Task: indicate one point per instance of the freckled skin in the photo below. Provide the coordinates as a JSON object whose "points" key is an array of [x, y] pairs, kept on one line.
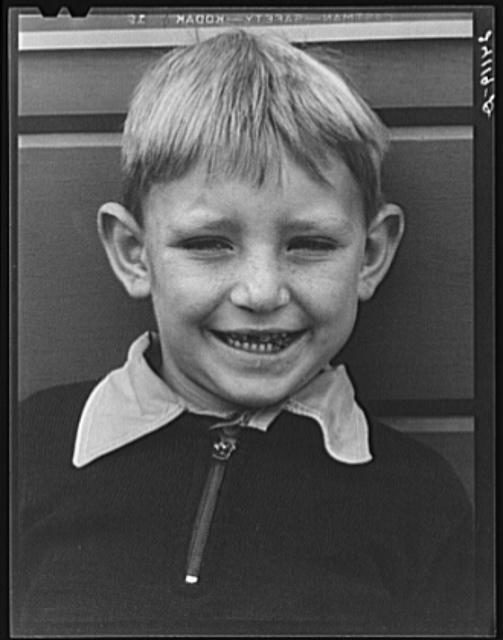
{"points": [[226, 256]]}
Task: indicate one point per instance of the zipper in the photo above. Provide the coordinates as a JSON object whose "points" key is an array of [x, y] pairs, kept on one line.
{"points": [[222, 449]]}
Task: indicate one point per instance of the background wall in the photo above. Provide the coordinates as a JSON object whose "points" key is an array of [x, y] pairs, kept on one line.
{"points": [[412, 353]]}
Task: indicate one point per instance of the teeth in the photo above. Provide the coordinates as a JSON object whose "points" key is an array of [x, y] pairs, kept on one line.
{"points": [[258, 343]]}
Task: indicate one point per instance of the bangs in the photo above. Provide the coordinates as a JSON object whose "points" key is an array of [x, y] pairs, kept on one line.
{"points": [[239, 105]]}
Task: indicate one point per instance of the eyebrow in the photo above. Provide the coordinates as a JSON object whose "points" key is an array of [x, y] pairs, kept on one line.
{"points": [[206, 223], [333, 224], [226, 225]]}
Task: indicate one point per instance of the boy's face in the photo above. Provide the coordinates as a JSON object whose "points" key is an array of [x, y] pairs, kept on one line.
{"points": [[254, 289]]}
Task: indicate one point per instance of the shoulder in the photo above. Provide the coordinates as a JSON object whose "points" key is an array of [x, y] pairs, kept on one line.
{"points": [[415, 472], [389, 445], [46, 424]]}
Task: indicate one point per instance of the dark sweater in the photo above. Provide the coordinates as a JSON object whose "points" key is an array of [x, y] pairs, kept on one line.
{"points": [[299, 543]]}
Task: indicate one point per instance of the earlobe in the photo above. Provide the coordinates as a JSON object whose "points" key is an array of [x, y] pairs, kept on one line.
{"points": [[123, 240], [384, 234]]}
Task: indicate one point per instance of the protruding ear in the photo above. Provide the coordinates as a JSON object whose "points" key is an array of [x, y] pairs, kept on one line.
{"points": [[384, 234], [123, 240]]}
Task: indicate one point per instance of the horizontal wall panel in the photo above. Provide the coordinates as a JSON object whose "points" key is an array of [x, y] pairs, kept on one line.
{"points": [[75, 321], [438, 424], [405, 73], [414, 341], [418, 118]]}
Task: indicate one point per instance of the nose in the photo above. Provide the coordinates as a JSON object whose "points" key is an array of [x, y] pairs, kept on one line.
{"points": [[260, 285]]}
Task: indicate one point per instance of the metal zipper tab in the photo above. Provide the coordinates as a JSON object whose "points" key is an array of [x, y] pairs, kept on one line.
{"points": [[222, 449]]}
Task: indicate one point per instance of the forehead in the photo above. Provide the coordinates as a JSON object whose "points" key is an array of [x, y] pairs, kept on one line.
{"points": [[288, 193]]}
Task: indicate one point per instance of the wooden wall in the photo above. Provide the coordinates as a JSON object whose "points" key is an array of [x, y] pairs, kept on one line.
{"points": [[412, 353]]}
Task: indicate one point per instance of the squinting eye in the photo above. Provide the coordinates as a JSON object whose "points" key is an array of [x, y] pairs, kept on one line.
{"points": [[206, 244], [310, 244]]}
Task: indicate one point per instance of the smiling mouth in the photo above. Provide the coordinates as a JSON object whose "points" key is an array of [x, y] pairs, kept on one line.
{"points": [[259, 342]]}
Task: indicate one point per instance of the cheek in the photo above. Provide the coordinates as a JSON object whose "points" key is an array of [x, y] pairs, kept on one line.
{"points": [[185, 293], [332, 295]]}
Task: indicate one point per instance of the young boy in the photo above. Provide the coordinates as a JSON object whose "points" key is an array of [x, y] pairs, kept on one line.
{"points": [[225, 480]]}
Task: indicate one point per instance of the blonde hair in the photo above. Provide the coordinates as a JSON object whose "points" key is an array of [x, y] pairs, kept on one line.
{"points": [[239, 104]]}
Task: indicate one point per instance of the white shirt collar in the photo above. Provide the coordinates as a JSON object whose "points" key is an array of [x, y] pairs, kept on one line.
{"points": [[133, 401]]}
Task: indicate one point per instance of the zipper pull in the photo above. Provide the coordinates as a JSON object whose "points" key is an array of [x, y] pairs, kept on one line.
{"points": [[222, 449], [225, 446]]}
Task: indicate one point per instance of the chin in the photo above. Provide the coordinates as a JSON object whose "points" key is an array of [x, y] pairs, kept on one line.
{"points": [[257, 399]]}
